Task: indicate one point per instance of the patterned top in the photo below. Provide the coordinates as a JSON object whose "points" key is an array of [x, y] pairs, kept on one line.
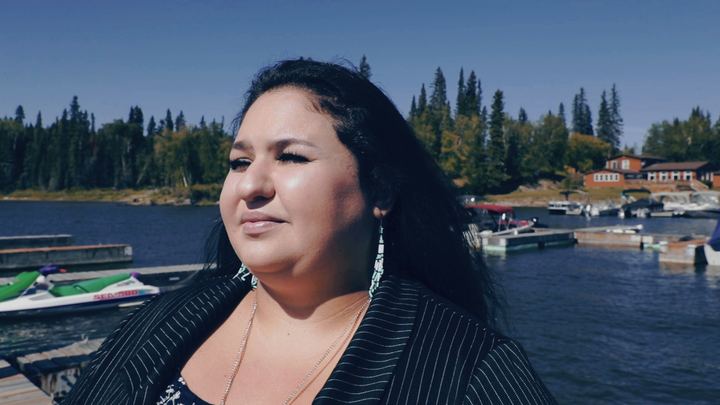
{"points": [[178, 393]]}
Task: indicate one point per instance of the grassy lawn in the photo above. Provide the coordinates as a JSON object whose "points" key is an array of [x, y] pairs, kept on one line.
{"points": [[541, 197]]}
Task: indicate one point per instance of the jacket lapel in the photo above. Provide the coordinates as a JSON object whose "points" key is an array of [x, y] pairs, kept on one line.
{"points": [[367, 366], [186, 322]]}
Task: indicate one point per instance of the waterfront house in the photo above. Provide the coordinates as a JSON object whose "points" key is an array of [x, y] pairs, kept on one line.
{"points": [[685, 172], [621, 170]]}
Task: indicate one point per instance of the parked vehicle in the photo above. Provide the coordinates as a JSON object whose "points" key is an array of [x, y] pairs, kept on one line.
{"points": [[31, 293]]}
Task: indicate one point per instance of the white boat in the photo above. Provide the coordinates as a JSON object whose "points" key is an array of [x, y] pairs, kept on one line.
{"points": [[712, 247], [31, 293], [703, 204], [604, 208], [567, 207]]}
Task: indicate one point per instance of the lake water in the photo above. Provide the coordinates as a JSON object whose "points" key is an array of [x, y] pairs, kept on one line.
{"points": [[601, 326]]}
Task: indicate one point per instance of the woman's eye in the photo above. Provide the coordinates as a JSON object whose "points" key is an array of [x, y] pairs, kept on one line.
{"points": [[292, 158], [239, 164]]}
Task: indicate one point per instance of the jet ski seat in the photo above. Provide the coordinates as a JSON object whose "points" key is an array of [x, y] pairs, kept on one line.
{"points": [[88, 286]]}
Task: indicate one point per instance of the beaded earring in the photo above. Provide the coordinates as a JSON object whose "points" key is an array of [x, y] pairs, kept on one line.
{"points": [[378, 272], [244, 272]]}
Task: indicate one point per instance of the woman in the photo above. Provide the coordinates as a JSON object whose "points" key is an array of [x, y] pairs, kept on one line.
{"points": [[355, 284]]}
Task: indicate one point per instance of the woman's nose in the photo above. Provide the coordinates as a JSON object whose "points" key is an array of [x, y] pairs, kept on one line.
{"points": [[255, 183]]}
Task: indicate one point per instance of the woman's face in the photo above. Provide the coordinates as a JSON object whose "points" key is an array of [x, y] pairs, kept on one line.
{"points": [[292, 199]]}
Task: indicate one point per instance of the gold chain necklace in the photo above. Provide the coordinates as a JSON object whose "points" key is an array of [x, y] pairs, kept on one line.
{"points": [[301, 387]]}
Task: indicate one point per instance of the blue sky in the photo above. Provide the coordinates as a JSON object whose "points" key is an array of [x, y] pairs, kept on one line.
{"points": [[199, 58]]}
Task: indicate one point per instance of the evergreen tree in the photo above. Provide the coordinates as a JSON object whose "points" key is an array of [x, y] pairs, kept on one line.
{"points": [[522, 116], [180, 121], [496, 146], [615, 118], [472, 95], [152, 127], [168, 121], [439, 113], [582, 119], [364, 68], [561, 112], [422, 103], [202, 122], [413, 108], [604, 125], [460, 103], [588, 120], [20, 115]]}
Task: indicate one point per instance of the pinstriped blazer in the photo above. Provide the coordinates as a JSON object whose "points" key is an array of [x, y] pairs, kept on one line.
{"points": [[412, 347]]}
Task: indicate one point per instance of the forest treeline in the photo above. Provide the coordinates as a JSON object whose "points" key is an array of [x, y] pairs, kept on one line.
{"points": [[483, 148], [492, 151], [71, 153]]}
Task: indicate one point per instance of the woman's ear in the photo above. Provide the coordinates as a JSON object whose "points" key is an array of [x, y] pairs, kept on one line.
{"points": [[383, 204]]}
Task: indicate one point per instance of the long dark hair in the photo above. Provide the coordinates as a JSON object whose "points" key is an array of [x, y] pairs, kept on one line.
{"points": [[425, 231]]}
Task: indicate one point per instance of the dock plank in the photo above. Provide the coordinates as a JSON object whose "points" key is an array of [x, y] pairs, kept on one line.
{"points": [[86, 275]]}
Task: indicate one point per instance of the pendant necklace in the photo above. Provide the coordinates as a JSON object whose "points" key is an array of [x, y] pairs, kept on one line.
{"points": [[302, 386]]}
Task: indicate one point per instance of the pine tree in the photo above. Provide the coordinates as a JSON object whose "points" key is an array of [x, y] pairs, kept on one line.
{"points": [[561, 113], [582, 118], [496, 146], [20, 115], [180, 121], [522, 116], [472, 95], [364, 68], [604, 124], [38, 122], [461, 103], [422, 103], [413, 108], [588, 120], [202, 122], [439, 112], [151, 128], [168, 120], [615, 118]]}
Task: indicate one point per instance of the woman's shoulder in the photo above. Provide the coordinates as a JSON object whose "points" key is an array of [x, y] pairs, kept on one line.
{"points": [[480, 365]]}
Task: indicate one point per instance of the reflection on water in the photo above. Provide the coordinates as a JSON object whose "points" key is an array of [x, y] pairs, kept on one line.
{"points": [[600, 325]]}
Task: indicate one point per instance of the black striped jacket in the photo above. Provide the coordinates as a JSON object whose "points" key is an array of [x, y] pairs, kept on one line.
{"points": [[412, 347]]}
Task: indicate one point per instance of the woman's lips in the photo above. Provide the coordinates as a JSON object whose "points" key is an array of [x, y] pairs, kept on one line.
{"points": [[259, 227], [255, 223]]}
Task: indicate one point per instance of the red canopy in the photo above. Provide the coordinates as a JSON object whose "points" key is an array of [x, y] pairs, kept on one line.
{"points": [[492, 207]]}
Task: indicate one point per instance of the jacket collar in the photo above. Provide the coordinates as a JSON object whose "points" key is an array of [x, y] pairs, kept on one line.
{"points": [[364, 370]]}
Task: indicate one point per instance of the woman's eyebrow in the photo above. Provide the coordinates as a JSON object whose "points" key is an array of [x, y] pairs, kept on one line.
{"points": [[284, 143], [279, 144]]}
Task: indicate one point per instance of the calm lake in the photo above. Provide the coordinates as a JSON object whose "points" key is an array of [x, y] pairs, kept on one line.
{"points": [[601, 326]]}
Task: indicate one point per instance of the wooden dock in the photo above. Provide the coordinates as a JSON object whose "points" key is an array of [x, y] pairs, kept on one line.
{"points": [[687, 252], [11, 259], [39, 377], [86, 275], [16, 389], [539, 239]]}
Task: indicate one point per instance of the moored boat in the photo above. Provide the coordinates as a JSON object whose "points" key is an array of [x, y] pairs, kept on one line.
{"points": [[31, 293]]}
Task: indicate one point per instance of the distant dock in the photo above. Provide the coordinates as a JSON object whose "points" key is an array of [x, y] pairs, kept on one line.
{"points": [[24, 252]]}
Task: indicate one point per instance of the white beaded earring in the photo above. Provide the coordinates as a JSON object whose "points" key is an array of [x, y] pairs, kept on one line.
{"points": [[378, 272], [244, 272]]}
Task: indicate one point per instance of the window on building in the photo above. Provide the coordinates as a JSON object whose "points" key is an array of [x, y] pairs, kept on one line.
{"points": [[614, 164], [687, 176], [651, 176], [626, 164], [663, 176], [676, 175]]}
